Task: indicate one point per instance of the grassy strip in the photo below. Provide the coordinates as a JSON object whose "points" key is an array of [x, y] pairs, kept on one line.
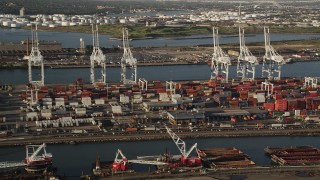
{"points": [[141, 31]]}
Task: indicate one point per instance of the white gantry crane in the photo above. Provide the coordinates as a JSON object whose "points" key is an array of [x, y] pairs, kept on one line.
{"points": [[97, 57], [246, 61], [220, 61], [128, 59], [35, 59], [171, 87], [182, 148], [272, 61]]}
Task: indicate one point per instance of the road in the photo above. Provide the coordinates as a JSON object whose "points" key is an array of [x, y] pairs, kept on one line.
{"points": [[109, 137]]}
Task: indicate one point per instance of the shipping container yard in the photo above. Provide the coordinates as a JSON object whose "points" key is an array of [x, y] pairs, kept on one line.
{"points": [[194, 105]]}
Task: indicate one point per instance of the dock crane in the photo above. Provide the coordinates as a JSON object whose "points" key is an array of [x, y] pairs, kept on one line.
{"points": [[220, 61], [35, 59], [32, 154], [185, 159], [97, 57], [246, 61], [33, 160], [120, 164], [272, 61], [128, 59]]}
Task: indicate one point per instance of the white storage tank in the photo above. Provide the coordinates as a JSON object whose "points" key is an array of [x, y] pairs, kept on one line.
{"points": [[13, 25], [65, 23], [134, 20], [123, 21], [6, 23], [52, 25], [107, 21], [56, 18]]}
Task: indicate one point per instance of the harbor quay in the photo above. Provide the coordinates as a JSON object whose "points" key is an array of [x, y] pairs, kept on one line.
{"points": [[116, 109]]}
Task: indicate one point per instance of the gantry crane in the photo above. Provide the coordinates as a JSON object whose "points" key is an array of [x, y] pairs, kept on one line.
{"points": [[97, 57], [128, 59], [171, 87], [220, 61], [35, 59], [185, 159], [272, 61], [246, 61]]}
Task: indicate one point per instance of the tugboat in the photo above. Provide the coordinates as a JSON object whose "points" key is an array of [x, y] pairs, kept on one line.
{"points": [[34, 161]]}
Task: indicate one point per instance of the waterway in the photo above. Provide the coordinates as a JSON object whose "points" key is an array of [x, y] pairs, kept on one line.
{"points": [[72, 40], [72, 160], [162, 73]]}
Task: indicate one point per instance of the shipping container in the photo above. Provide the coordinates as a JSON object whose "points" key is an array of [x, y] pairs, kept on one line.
{"points": [[281, 105]]}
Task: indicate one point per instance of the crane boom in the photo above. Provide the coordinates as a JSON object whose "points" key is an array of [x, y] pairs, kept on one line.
{"points": [[35, 153], [180, 143], [123, 157]]}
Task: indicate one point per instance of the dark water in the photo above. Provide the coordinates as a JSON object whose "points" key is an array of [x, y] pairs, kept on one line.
{"points": [[72, 40], [176, 72], [72, 160]]}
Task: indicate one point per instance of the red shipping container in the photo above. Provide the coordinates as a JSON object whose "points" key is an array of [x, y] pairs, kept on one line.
{"points": [[162, 90], [313, 93], [252, 102], [301, 104], [315, 103], [292, 104], [269, 106], [281, 105], [277, 96]]}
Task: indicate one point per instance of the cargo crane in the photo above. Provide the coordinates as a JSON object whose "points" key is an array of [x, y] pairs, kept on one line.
{"points": [[246, 61], [35, 59], [272, 61], [32, 94], [120, 164], [97, 57], [143, 84], [220, 61], [34, 160], [171, 87], [128, 59], [185, 159]]}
